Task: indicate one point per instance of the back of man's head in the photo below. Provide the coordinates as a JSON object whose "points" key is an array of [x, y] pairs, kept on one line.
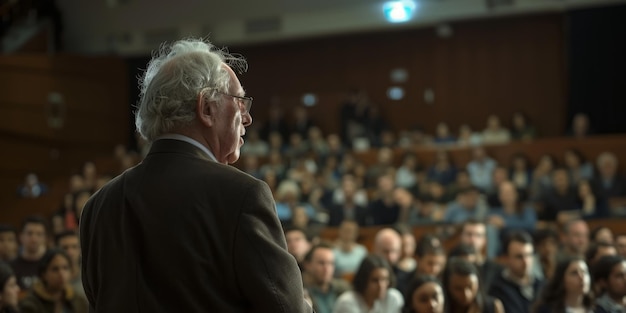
{"points": [[388, 244]]}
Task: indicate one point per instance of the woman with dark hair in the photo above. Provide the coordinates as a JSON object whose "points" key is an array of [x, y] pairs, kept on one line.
{"points": [[373, 290], [425, 295], [52, 292], [569, 290], [9, 290], [463, 291]]}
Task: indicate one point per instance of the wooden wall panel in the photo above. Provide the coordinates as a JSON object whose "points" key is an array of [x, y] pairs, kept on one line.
{"points": [[95, 95], [495, 66]]}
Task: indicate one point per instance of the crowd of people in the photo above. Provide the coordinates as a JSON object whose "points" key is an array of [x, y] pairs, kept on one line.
{"points": [[573, 271], [533, 217]]}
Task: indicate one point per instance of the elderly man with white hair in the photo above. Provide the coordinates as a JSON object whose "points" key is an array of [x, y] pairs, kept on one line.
{"points": [[183, 231]]}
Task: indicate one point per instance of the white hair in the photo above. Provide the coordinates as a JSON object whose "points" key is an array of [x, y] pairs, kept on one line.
{"points": [[174, 78]]}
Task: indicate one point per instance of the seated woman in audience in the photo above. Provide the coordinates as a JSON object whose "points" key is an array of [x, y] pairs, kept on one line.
{"points": [[348, 253], [513, 215], [601, 234], [425, 295], [53, 293], [287, 199], [463, 291], [467, 137], [521, 127], [520, 172], [9, 290], [569, 290], [577, 167], [495, 133], [373, 290]]}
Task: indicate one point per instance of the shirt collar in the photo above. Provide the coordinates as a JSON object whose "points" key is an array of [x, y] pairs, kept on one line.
{"points": [[191, 141], [609, 305]]}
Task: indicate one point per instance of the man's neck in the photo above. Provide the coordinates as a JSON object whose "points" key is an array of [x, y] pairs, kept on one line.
{"points": [[523, 280], [33, 256], [324, 287]]}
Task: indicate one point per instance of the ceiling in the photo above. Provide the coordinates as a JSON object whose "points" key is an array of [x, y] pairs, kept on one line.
{"points": [[135, 27]]}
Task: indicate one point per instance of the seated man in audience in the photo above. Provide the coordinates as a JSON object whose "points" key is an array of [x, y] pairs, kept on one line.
{"points": [[349, 207], [384, 209], [559, 200], [574, 240], [620, 245], [468, 205], [298, 244], [609, 275], [8, 243], [608, 184], [473, 232], [33, 240], [388, 245], [598, 250], [68, 242], [319, 268], [516, 286], [481, 169]]}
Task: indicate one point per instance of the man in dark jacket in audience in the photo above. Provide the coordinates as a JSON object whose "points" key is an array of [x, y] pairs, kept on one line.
{"points": [[515, 286]]}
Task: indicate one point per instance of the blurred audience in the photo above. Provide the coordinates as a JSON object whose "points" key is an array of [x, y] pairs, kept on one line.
{"points": [[32, 188]]}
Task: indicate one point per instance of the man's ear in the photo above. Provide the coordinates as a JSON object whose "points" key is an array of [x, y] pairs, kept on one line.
{"points": [[205, 110]]}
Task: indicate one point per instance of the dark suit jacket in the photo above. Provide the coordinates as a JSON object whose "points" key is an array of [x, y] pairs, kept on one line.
{"points": [[181, 233]]}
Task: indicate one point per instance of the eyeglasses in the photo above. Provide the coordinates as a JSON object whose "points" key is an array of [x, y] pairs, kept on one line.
{"points": [[246, 102]]}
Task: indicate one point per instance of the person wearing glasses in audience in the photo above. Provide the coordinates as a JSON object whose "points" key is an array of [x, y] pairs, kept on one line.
{"points": [[183, 231]]}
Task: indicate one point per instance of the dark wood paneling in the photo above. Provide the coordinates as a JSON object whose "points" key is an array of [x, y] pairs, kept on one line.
{"points": [[95, 96], [487, 67]]}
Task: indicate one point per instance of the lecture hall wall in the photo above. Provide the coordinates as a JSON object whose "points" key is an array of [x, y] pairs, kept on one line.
{"points": [[492, 66]]}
